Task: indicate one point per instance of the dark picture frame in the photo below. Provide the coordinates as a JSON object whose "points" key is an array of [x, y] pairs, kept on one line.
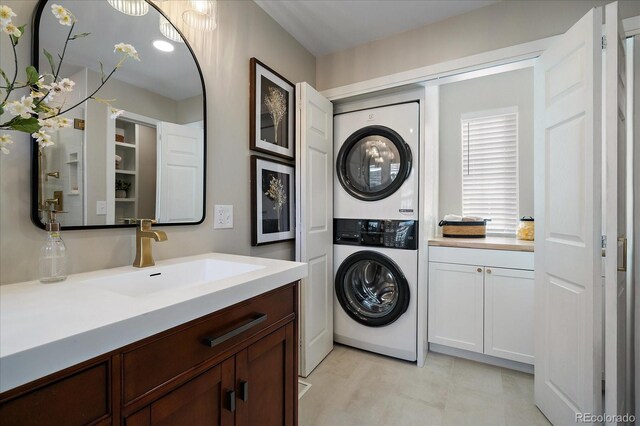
{"points": [[271, 112], [272, 201]]}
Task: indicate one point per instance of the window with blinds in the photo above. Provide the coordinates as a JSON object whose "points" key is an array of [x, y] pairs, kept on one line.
{"points": [[490, 168]]}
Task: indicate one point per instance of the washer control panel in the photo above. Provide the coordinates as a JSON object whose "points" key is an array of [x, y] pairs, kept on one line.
{"points": [[399, 234]]}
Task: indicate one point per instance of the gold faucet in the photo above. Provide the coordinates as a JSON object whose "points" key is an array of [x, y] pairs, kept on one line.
{"points": [[144, 234]]}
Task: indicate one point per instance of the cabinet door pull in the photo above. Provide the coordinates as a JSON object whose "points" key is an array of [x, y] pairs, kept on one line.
{"points": [[252, 322], [488, 271], [244, 390], [479, 269], [231, 400]]}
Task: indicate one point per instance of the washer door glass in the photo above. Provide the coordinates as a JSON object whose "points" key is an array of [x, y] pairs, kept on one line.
{"points": [[371, 289], [373, 163]]}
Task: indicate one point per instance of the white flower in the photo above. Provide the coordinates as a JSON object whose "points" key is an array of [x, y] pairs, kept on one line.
{"points": [[23, 107], [58, 11], [4, 141], [127, 49], [64, 122], [64, 16], [5, 15], [53, 88], [12, 30], [43, 138], [66, 20], [48, 124], [66, 85], [27, 101], [115, 112]]}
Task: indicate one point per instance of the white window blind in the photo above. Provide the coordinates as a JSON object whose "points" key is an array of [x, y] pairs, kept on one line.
{"points": [[490, 168]]}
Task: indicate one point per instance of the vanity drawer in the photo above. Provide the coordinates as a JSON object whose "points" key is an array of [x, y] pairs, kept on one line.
{"points": [[76, 398], [172, 353]]}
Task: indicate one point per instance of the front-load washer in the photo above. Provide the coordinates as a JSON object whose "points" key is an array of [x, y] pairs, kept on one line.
{"points": [[375, 286], [376, 158]]}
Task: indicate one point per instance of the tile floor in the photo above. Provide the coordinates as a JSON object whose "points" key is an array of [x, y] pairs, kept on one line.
{"points": [[353, 387]]}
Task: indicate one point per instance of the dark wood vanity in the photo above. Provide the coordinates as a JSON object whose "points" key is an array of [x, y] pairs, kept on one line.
{"points": [[236, 366]]}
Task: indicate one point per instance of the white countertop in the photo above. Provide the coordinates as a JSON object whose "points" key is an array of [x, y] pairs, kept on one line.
{"points": [[45, 328]]}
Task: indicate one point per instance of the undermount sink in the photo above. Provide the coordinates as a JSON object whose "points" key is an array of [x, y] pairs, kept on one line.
{"points": [[151, 280]]}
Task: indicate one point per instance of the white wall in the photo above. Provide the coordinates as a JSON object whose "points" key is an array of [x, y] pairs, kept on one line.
{"points": [[513, 88], [499, 25], [244, 30]]}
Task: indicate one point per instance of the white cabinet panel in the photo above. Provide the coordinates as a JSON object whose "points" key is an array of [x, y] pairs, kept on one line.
{"points": [[508, 321], [456, 306]]}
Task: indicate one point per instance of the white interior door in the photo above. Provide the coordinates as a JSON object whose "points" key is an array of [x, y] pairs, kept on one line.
{"points": [[615, 213], [314, 215], [568, 299], [180, 171]]}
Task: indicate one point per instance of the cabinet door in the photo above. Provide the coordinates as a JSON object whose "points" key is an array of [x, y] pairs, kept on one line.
{"points": [[508, 326], [78, 398], [206, 400], [266, 379], [456, 305]]}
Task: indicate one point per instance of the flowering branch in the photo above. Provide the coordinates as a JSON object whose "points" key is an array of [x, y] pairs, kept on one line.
{"points": [[276, 193], [33, 114], [277, 106]]}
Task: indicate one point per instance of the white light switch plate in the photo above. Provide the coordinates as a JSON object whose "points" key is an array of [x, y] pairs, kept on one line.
{"points": [[222, 216], [101, 208]]}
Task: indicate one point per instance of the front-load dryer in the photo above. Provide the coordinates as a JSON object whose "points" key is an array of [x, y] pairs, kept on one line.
{"points": [[376, 285], [376, 158]]}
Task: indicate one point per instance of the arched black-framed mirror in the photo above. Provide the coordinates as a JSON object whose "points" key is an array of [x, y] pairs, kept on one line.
{"points": [[150, 160]]}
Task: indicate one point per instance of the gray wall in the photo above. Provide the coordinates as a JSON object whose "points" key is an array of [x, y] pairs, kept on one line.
{"points": [[189, 110], [496, 26], [513, 88], [244, 30]]}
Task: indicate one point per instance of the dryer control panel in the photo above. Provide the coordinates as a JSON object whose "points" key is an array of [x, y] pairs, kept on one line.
{"points": [[399, 234]]}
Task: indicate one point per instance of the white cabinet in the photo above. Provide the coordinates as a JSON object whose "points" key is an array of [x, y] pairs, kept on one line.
{"points": [[456, 306], [508, 319], [484, 307]]}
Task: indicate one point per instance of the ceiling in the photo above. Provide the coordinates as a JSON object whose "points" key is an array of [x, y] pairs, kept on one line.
{"points": [[327, 26], [173, 75]]}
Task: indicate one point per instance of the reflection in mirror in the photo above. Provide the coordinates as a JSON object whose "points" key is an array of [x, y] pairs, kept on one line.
{"points": [[147, 161]]}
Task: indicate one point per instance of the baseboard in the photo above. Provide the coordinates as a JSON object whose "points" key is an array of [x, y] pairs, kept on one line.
{"points": [[486, 359]]}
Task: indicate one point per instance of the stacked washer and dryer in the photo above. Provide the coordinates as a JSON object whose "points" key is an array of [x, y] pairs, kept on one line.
{"points": [[376, 229]]}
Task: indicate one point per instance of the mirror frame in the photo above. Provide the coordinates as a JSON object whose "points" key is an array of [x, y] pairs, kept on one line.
{"points": [[35, 55]]}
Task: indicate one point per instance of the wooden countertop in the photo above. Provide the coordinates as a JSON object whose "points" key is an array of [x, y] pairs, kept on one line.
{"points": [[488, 243]]}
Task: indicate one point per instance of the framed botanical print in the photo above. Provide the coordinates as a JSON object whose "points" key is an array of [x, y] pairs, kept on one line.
{"points": [[272, 108], [272, 203]]}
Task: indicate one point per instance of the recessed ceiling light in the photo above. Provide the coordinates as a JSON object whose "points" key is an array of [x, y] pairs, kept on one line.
{"points": [[163, 46]]}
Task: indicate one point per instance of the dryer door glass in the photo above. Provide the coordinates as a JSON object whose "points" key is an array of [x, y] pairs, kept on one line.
{"points": [[371, 289], [373, 163]]}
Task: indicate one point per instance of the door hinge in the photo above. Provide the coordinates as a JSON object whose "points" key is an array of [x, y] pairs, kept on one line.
{"points": [[603, 245], [604, 42]]}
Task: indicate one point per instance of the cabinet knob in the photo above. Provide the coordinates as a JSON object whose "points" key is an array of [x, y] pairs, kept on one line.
{"points": [[479, 269], [488, 271]]}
